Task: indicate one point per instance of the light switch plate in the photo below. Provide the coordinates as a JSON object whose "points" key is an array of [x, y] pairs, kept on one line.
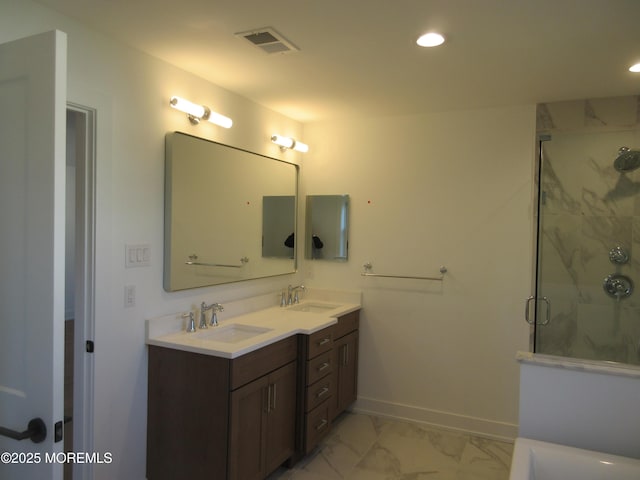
{"points": [[138, 255]]}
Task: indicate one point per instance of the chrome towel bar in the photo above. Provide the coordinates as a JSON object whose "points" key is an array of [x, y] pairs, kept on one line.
{"points": [[368, 266], [193, 258]]}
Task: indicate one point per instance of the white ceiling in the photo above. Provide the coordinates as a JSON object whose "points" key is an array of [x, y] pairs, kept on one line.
{"points": [[360, 57]]}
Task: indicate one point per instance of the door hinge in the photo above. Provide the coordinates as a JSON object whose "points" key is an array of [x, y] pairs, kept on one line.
{"points": [[90, 346]]}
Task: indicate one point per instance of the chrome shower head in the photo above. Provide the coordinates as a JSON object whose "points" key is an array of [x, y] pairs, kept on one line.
{"points": [[627, 161]]}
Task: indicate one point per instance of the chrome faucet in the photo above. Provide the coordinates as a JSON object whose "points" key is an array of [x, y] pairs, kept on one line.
{"points": [[191, 324], [292, 294], [215, 308], [203, 314]]}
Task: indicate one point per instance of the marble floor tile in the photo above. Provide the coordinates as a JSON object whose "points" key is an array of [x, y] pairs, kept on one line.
{"points": [[364, 447]]}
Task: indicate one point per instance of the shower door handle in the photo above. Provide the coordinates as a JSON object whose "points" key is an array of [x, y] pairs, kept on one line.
{"points": [[547, 317], [527, 308], [527, 305]]}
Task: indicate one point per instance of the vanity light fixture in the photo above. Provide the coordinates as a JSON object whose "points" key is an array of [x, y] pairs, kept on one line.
{"points": [[635, 68], [291, 143], [431, 39], [196, 112]]}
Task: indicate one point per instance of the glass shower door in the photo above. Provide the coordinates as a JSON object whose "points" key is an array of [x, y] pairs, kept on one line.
{"points": [[588, 258]]}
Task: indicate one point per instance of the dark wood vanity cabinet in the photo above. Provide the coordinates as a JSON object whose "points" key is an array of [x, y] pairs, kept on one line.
{"points": [[346, 373], [262, 424], [215, 418], [329, 378], [240, 419]]}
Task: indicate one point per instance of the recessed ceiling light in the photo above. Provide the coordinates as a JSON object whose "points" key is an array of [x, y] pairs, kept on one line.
{"points": [[635, 68], [430, 39]]}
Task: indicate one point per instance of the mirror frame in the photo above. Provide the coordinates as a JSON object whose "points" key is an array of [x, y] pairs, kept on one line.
{"points": [[244, 268]]}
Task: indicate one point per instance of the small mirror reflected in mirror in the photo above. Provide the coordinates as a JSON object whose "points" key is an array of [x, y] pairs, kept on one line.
{"points": [[327, 227]]}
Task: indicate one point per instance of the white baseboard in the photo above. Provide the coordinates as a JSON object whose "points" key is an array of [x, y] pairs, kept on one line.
{"points": [[472, 425]]}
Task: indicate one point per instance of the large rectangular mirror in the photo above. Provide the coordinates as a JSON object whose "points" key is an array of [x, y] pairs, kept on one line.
{"points": [[327, 232], [230, 214]]}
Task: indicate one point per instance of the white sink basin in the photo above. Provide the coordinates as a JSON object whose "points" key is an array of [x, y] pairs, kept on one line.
{"points": [[535, 460], [233, 333], [313, 307]]}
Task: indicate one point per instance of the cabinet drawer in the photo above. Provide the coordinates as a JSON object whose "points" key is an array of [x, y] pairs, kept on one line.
{"points": [[318, 393], [255, 364], [317, 426], [347, 323], [320, 342], [319, 367]]}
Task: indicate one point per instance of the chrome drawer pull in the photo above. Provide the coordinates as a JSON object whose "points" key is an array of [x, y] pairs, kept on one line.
{"points": [[322, 424], [324, 341], [322, 392], [323, 366]]}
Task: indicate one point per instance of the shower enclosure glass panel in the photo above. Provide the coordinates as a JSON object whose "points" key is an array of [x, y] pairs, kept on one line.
{"points": [[588, 248]]}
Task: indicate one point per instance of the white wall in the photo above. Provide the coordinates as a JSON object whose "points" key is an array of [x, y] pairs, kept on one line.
{"points": [[451, 189], [131, 92]]}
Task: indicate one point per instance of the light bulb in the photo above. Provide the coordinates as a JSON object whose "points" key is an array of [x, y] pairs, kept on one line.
{"points": [[291, 143], [301, 147], [187, 107], [220, 120], [199, 112]]}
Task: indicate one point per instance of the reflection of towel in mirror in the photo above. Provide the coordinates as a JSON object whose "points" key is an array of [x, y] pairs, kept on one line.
{"points": [[317, 243], [290, 241]]}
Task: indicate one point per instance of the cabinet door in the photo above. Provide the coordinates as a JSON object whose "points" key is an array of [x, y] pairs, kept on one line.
{"points": [[346, 351], [281, 417], [247, 434], [262, 429]]}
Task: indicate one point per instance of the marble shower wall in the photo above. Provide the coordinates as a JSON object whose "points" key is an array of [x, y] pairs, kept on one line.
{"points": [[587, 209]]}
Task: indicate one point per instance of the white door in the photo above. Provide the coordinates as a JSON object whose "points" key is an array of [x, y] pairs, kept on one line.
{"points": [[32, 206]]}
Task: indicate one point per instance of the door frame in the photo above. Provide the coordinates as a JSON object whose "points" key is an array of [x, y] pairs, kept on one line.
{"points": [[85, 217]]}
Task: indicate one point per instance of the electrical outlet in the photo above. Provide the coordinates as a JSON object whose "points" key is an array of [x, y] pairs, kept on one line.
{"points": [[129, 295]]}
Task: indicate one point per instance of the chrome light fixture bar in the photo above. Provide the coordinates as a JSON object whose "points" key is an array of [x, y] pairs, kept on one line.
{"points": [[196, 112], [289, 143]]}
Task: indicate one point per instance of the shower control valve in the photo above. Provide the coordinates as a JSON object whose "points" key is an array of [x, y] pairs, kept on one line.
{"points": [[618, 255], [618, 286]]}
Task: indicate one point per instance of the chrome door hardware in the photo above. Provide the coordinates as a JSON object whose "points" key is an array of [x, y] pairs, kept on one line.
{"points": [[527, 308]]}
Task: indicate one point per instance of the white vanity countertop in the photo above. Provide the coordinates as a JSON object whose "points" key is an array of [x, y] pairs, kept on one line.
{"points": [[278, 322]]}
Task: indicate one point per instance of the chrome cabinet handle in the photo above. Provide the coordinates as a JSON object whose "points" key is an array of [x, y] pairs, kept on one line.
{"points": [[268, 399], [275, 395], [324, 366], [344, 355], [322, 424], [324, 341], [36, 431], [272, 395], [322, 392]]}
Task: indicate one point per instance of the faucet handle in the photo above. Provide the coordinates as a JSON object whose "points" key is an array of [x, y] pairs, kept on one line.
{"points": [[191, 323], [215, 308]]}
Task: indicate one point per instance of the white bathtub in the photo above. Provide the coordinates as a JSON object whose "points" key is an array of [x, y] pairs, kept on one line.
{"points": [[535, 460]]}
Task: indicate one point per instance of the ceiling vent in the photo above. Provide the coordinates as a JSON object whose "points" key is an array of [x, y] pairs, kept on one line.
{"points": [[269, 41]]}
